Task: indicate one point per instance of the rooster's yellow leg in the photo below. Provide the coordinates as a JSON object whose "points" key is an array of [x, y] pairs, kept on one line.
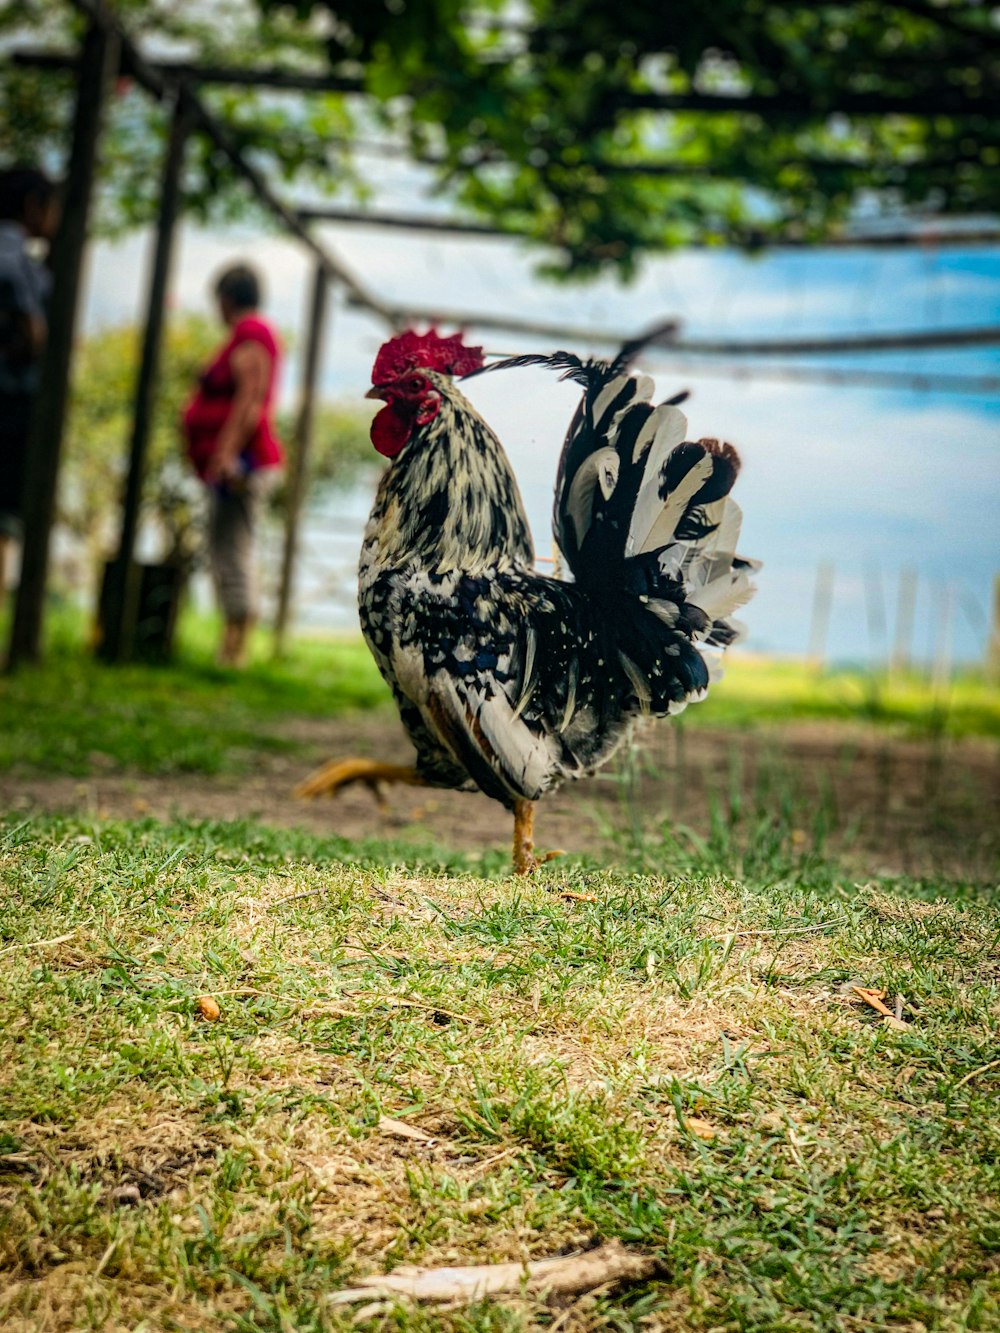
{"points": [[524, 847], [525, 860], [329, 779]]}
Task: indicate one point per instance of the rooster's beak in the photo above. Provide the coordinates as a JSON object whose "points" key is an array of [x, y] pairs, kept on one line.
{"points": [[376, 391]]}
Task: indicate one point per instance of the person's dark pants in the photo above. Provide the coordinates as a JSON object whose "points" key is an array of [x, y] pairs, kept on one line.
{"points": [[15, 425]]}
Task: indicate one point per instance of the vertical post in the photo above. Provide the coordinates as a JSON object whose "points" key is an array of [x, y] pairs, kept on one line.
{"points": [[819, 625], [941, 667], [299, 461], [902, 648], [98, 59], [992, 664], [875, 609], [119, 608]]}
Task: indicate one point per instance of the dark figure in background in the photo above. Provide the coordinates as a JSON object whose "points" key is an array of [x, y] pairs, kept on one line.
{"points": [[232, 446], [28, 211]]}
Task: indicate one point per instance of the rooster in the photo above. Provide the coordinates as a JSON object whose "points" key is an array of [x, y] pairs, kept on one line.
{"points": [[507, 679]]}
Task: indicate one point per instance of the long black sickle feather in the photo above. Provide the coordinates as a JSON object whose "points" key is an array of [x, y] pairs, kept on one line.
{"points": [[594, 372], [584, 372], [657, 336]]}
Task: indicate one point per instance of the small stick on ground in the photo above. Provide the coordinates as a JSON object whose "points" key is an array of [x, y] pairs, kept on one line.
{"points": [[38, 944], [306, 893], [974, 1073], [402, 1002], [780, 930], [603, 1267]]}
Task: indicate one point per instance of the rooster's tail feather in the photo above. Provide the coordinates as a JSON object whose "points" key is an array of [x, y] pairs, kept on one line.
{"points": [[640, 509]]}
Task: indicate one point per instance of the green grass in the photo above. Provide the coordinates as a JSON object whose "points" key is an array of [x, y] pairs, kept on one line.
{"points": [[774, 690], [75, 714], [678, 1064]]}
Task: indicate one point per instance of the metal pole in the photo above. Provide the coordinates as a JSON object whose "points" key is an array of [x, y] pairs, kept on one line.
{"points": [[119, 606], [941, 667], [299, 461], [902, 652], [992, 662], [875, 609], [819, 623], [98, 60]]}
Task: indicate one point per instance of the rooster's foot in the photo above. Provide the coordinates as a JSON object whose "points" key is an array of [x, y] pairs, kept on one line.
{"points": [[525, 859], [531, 861]]}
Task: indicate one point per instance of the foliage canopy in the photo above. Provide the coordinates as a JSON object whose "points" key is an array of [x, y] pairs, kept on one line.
{"points": [[599, 129]]}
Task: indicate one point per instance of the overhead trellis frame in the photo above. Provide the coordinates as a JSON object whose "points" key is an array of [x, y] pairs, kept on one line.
{"points": [[928, 237], [107, 48], [177, 80]]}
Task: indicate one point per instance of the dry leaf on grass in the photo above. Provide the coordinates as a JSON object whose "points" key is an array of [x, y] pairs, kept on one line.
{"points": [[401, 1130], [873, 998], [209, 1008], [570, 1273], [701, 1129]]}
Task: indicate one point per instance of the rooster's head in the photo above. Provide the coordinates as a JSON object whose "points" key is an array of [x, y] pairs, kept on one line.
{"points": [[409, 375]]}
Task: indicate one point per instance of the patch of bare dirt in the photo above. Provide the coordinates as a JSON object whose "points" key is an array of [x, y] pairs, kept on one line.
{"points": [[892, 805]]}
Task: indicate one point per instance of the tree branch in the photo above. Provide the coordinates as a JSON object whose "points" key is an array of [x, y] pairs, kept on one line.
{"points": [[945, 18]]}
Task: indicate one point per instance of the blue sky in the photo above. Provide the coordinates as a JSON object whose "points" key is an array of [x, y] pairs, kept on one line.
{"points": [[876, 481]]}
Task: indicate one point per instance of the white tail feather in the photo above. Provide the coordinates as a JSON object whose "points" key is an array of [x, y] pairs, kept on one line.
{"points": [[723, 595], [606, 397], [712, 556], [661, 434], [600, 467], [671, 510]]}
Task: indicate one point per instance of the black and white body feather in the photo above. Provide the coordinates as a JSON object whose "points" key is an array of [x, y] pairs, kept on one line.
{"points": [[514, 681]]}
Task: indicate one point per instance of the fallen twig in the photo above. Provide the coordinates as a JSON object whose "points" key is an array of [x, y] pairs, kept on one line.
{"points": [[106, 1257], [578, 897], [37, 944], [327, 1011], [488, 1163], [974, 1073], [250, 990], [399, 1002], [779, 930], [306, 893], [607, 1264]]}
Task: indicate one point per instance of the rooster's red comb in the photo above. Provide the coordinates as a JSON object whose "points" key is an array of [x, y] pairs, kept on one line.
{"points": [[425, 351]]}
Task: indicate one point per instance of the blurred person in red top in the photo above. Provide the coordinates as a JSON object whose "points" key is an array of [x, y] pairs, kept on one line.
{"points": [[232, 446]]}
